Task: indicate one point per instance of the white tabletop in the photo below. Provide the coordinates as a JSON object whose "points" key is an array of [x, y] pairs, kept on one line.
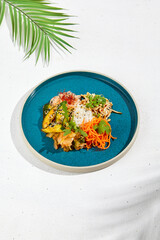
{"points": [[120, 39]]}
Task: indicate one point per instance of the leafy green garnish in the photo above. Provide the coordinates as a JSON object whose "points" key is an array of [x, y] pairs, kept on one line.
{"points": [[65, 110], [66, 131], [84, 134], [102, 127], [95, 127], [71, 125]]}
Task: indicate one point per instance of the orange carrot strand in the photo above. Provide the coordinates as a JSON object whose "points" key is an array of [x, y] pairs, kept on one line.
{"points": [[94, 138]]}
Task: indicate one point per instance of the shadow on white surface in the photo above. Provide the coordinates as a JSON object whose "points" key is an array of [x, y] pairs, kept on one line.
{"points": [[20, 145]]}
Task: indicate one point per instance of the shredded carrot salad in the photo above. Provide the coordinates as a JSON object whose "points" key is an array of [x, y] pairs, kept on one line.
{"points": [[95, 139]]}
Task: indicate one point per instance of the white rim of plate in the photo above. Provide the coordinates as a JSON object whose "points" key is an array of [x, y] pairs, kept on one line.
{"points": [[85, 169]]}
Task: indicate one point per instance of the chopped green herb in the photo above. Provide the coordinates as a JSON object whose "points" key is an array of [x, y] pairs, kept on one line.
{"points": [[87, 105], [90, 98], [95, 101]]}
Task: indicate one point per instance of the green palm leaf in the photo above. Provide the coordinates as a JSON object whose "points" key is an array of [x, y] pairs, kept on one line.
{"points": [[37, 25], [2, 10]]}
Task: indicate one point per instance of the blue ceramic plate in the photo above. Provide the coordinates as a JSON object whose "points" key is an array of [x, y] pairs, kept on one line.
{"points": [[124, 126]]}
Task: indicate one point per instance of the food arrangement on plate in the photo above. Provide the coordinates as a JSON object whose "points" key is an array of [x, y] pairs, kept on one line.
{"points": [[78, 121]]}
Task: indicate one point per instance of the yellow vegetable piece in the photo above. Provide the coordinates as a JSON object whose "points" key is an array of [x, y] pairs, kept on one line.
{"points": [[49, 129], [59, 116], [49, 117]]}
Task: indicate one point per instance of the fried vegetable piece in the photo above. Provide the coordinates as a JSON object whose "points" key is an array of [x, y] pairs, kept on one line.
{"points": [[49, 117], [46, 108], [50, 129], [78, 145], [59, 115], [55, 136], [55, 144], [79, 141], [50, 135], [66, 141]]}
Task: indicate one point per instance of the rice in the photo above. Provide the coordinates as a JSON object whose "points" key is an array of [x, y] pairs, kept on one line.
{"points": [[81, 114]]}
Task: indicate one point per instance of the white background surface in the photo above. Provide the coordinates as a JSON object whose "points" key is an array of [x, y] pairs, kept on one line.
{"points": [[122, 40]]}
